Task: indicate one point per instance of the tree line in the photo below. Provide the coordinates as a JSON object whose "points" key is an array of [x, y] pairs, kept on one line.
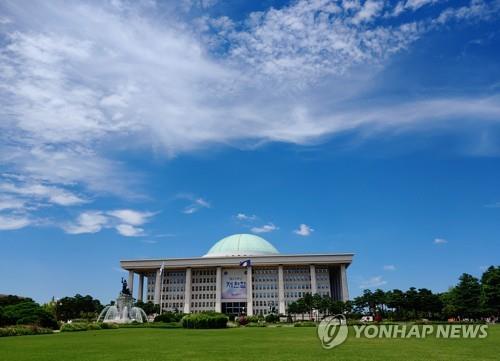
{"points": [[470, 298]]}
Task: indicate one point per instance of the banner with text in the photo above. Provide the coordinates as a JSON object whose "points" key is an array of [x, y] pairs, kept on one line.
{"points": [[234, 284]]}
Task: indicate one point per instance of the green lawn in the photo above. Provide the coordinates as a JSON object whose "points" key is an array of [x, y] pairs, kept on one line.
{"points": [[237, 344]]}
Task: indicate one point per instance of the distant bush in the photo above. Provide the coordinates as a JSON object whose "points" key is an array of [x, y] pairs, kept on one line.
{"points": [[80, 326], [169, 317], [23, 330], [272, 318], [205, 320], [256, 324], [255, 318], [26, 312], [304, 324], [151, 325], [243, 320], [108, 325]]}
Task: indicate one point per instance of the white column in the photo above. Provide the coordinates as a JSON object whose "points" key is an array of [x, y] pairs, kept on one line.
{"points": [[218, 290], [281, 291], [187, 292], [158, 286], [343, 280], [249, 292], [312, 271], [131, 282], [140, 288]]}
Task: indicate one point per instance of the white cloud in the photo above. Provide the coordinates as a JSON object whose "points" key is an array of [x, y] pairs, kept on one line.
{"points": [[370, 9], [131, 217], [372, 282], [196, 204], [7, 202], [87, 77], [493, 205], [440, 241], [304, 230], [87, 222], [245, 217], [125, 221], [412, 5], [8, 223], [269, 227], [51, 194], [389, 267], [128, 230]]}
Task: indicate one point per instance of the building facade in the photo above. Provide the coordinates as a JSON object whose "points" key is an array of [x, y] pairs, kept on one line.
{"points": [[240, 274]]}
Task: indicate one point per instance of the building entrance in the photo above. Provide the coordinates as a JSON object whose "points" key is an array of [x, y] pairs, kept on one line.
{"points": [[234, 308]]}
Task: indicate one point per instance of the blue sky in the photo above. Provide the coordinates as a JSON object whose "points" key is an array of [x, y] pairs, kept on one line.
{"points": [[153, 129]]}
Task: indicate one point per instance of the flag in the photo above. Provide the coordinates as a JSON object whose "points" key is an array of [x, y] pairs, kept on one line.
{"points": [[162, 267], [245, 263]]}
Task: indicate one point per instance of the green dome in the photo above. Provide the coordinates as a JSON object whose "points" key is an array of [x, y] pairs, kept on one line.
{"points": [[241, 245]]}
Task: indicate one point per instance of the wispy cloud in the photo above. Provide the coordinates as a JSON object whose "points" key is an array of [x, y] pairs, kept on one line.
{"points": [[197, 203], [245, 217], [87, 222], [493, 205], [125, 221], [7, 202], [266, 228], [304, 230], [128, 230], [9, 223], [85, 77], [372, 282], [440, 241], [131, 217], [51, 194], [389, 267]]}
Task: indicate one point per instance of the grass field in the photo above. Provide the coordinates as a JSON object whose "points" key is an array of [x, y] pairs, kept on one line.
{"points": [[237, 344]]}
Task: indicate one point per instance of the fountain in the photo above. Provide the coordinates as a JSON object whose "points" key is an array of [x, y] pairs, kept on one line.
{"points": [[123, 311]]}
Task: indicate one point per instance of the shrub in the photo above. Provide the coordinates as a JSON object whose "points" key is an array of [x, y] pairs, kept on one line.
{"points": [[27, 312], [304, 324], [152, 325], [243, 321], [108, 325], [205, 320], [80, 326], [256, 324], [23, 330], [169, 317], [255, 318], [272, 318]]}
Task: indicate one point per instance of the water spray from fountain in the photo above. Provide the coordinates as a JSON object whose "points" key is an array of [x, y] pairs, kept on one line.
{"points": [[124, 310]]}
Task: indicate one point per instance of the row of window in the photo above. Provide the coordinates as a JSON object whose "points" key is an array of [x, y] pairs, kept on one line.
{"points": [[264, 303], [202, 296], [203, 288], [265, 295], [202, 304], [203, 280]]}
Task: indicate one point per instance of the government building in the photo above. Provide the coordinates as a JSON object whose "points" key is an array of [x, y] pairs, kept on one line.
{"points": [[240, 274]]}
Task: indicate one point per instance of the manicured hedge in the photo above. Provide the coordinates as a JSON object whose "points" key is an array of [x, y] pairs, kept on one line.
{"points": [[23, 330], [169, 317], [272, 318], [87, 326], [304, 324], [205, 320], [152, 325]]}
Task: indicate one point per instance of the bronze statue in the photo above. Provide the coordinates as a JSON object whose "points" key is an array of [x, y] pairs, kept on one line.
{"points": [[125, 289]]}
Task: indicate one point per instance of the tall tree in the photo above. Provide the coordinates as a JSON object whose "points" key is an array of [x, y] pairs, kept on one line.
{"points": [[490, 284], [467, 296]]}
